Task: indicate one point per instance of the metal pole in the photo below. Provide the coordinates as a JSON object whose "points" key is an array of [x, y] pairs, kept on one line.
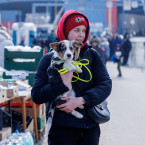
{"points": [[0, 18], [55, 8], [110, 18], [109, 6], [123, 19], [47, 13]]}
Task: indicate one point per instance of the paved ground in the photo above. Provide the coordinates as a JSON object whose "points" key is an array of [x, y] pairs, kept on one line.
{"points": [[127, 107]]}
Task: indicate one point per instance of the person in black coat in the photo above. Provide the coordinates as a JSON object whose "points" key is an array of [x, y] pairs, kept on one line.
{"points": [[67, 129], [126, 48]]}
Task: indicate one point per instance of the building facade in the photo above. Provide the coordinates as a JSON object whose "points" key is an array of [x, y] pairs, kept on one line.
{"points": [[118, 15]]}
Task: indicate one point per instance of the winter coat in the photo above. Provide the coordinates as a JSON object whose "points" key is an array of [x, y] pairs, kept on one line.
{"points": [[93, 92], [100, 51], [126, 46]]}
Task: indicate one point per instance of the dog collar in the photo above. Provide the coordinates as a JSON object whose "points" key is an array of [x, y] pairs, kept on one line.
{"points": [[57, 59]]}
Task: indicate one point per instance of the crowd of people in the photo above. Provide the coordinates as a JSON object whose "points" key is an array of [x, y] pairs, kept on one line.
{"points": [[43, 39], [113, 48], [106, 46]]}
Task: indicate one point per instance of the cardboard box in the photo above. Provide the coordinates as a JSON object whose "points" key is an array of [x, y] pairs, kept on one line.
{"points": [[31, 127], [5, 133], [12, 92], [3, 95], [23, 85], [40, 110]]}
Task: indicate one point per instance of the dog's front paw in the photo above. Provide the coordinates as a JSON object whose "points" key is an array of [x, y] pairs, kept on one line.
{"points": [[77, 114], [79, 70], [81, 107], [72, 68]]}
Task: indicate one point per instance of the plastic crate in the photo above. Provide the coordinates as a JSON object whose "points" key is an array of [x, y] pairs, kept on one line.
{"points": [[30, 77], [41, 122], [9, 64], [22, 54], [6, 76]]}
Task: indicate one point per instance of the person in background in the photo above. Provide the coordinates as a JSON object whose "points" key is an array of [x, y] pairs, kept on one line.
{"points": [[110, 40], [126, 48], [95, 44], [116, 40], [5, 40], [105, 46], [67, 129], [35, 42], [22, 43], [118, 55], [51, 38]]}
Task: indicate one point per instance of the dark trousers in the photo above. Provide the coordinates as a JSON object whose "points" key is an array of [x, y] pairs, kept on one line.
{"points": [[125, 58], [74, 136], [118, 67]]}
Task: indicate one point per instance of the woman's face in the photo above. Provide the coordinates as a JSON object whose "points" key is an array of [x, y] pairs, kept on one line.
{"points": [[78, 33]]}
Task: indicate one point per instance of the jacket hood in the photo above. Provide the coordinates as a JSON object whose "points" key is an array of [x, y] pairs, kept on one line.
{"points": [[60, 27]]}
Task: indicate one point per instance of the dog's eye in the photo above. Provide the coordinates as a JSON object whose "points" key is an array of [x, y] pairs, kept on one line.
{"points": [[63, 48], [71, 48]]}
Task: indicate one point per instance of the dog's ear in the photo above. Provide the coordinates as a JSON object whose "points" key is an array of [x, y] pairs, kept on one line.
{"points": [[54, 45], [77, 45]]}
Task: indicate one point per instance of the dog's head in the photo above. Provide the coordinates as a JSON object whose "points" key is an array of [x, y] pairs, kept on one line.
{"points": [[66, 49]]}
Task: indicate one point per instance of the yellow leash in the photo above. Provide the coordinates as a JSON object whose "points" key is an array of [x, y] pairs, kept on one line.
{"points": [[65, 70]]}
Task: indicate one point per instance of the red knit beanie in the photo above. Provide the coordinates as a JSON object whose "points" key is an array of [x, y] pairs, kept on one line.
{"points": [[74, 21]]}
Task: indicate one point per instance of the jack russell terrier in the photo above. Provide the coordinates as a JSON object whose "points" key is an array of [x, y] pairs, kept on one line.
{"points": [[65, 54]]}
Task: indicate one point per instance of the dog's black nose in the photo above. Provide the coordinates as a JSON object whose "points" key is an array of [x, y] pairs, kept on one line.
{"points": [[68, 55]]}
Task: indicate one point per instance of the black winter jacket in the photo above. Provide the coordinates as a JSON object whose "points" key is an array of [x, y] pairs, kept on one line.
{"points": [[93, 92]]}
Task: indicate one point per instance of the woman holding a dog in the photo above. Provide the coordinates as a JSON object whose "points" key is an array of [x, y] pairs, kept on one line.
{"points": [[67, 129]]}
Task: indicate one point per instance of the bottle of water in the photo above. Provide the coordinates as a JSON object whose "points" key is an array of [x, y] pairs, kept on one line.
{"points": [[31, 141], [14, 135], [16, 143], [10, 84], [3, 141], [24, 138], [8, 142], [16, 138]]}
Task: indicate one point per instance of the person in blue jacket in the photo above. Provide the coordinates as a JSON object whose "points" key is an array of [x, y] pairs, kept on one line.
{"points": [[67, 129]]}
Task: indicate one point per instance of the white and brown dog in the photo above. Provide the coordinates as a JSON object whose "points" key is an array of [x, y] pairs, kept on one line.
{"points": [[65, 54]]}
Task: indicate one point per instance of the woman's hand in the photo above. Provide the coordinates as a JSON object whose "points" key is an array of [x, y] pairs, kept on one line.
{"points": [[66, 78], [71, 104]]}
